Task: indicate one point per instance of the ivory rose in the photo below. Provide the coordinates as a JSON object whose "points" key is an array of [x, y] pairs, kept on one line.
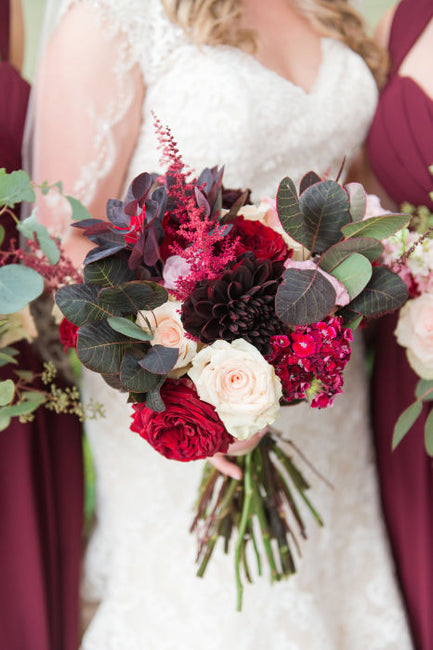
{"points": [[414, 331], [241, 385], [167, 330]]}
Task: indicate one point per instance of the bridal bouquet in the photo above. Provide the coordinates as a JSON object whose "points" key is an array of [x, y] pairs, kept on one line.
{"points": [[211, 313], [410, 254]]}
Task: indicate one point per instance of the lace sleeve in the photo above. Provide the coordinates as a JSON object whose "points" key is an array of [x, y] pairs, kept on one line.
{"points": [[88, 99]]}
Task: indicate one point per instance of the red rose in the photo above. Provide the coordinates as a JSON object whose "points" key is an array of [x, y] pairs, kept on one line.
{"points": [[68, 334], [254, 236], [188, 429]]}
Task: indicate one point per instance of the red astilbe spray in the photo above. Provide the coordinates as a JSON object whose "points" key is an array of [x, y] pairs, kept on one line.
{"points": [[205, 245]]}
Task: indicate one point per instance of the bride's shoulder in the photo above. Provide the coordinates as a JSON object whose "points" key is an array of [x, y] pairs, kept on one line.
{"points": [[148, 32]]}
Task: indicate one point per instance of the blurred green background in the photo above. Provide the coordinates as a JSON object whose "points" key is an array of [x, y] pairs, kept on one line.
{"points": [[34, 9]]}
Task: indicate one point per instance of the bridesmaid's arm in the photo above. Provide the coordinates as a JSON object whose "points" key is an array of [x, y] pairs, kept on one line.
{"points": [[88, 115]]}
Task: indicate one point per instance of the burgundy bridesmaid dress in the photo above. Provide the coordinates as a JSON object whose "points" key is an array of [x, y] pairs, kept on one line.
{"points": [[41, 478], [400, 148]]}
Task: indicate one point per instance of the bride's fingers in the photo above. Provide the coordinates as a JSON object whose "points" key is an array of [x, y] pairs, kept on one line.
{"points": [[220, 462]]}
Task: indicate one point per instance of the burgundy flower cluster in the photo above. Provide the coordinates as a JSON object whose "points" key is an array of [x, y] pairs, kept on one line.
{"points": [[310, 361]]}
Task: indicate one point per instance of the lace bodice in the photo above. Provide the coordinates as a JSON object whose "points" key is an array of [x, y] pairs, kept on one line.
{"points": [[224, 107]]}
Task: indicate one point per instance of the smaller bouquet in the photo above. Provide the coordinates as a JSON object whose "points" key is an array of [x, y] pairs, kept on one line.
{"points": [[211, 313], [410, 254], [27, 271]]}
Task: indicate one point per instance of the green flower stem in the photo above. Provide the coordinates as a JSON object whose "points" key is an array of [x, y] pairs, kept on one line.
{"points": [[294, 475], [260, 513], [246, 513], [291, 503], [255, 547]]}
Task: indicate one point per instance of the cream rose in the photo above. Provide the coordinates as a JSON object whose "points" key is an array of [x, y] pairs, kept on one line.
{"points": [[240, 384], [166, 326], [414, 331]]}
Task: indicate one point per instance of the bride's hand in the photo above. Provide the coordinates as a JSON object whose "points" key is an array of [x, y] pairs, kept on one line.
{"points": [[238, 448]]}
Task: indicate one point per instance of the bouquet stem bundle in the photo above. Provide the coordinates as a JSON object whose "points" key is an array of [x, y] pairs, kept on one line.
{"points": [[260, 511]]}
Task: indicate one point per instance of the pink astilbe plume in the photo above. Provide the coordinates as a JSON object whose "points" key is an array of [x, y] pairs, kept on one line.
{"points": [[205, 245]]}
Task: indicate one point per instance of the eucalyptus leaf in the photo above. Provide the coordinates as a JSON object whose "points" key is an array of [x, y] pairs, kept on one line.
{"points": [[127, 327], [289, 211], [15, 188], [100, 348], [5, 421], [108, 272], [2, 234], [30, 402], [6, 358], [31, 227], [132, 297], [7, 392], [304, 297], [136, 378], [367, 246], [355, 273], [159, 359], [385, 292], [377, 227], [422, 387], [357, 200], [19, 285], [79, 303], [113, 380], [79, 211], [154, 400], [325, 207], [428, 434], [310, 178], [405, 422]]}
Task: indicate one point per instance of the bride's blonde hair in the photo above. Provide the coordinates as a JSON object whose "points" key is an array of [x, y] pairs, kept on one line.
{"points": [[215, 22]]}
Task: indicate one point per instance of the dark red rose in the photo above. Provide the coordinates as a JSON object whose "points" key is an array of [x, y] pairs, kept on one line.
{"points": [[258, 238], [68, 334], [188, 429]]}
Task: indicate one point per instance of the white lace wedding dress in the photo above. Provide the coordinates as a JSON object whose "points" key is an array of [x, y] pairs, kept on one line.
{"points": [[224, 107]]}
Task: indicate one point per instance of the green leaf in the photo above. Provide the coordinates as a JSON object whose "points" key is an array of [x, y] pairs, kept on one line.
{"points": [[15, 187], [5, 421], [428, 434], [127, 327], [422, 387], [377, 227], [288, 210], [154, 400], [19, 285], [2, 234], [100, 348], [113, 380], [79, 211], [304, 297], [405, 421], [355, 273], [131, 297], [30, 402], [25, 375], [385, 292], [7, 356], [160, 360], [357, 200], [7, 391], [134, 377], [325, 207], [367, 246], [108, 272], [80, 304], [30, 227]]}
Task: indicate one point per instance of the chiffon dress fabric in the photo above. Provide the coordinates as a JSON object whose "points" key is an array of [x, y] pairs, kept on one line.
{"points": [[41, 485], [400, 148], [223, 107]]}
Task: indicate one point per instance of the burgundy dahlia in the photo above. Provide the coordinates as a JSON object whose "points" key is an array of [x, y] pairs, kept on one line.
{"points": [[239, 304]]}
